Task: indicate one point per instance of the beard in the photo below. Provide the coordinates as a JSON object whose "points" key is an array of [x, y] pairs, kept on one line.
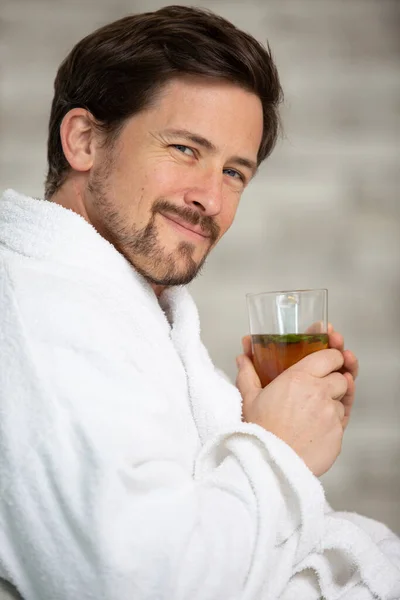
{"points": [[143, 247]]}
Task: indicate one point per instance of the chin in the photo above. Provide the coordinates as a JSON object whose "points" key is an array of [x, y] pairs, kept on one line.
{"points": [[171, 279], [173, 274], [164, 266]]}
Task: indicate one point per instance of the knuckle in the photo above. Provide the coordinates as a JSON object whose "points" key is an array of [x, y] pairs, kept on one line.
{"points": [[341, 383], [344, 381], [334, 414], [330, 411]]}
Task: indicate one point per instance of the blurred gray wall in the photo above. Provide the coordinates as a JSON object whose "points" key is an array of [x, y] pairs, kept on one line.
{"points": [[323, 212]]}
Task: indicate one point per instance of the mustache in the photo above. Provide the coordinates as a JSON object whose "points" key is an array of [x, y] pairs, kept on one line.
{"points": [[207, 224]]}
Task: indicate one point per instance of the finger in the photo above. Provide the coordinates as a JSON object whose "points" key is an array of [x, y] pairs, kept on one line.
{"points": [[247, 380], [336, 341], [315, 328], [321, 363], [337, 385], [247, 346], [351, 363], [340, 410], [348, 398]]}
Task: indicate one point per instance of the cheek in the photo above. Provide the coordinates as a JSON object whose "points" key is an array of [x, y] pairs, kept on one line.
{"points": [[165, 181], [131, 199], [164, 171]]}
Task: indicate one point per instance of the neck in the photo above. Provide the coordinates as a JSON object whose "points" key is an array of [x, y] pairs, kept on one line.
{"points": [[158, 289], [70, 196]]}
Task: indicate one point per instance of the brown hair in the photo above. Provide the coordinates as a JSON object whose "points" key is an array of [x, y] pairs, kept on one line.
{"points": [[118, 70]]}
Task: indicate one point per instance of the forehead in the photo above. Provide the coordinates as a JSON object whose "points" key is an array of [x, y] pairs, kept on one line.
{"points": [[221, 111]]}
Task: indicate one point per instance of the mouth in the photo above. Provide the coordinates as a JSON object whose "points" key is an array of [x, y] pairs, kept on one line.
{"points": [[192, 231]]}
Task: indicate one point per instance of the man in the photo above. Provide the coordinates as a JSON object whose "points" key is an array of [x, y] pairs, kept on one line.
{"points": [[129, 467]]}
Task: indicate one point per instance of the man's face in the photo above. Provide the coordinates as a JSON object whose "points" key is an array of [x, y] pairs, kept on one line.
{"points": [[169, 188]]}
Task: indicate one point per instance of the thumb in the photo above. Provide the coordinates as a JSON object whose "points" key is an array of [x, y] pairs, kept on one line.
{"points": [[247, 380]]}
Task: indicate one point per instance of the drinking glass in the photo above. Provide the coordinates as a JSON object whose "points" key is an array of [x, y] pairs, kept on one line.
{"points": [[285, 327]]}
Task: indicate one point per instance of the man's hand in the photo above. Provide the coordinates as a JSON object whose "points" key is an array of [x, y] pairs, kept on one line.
{"points": [[350, 368], [308, 406]]}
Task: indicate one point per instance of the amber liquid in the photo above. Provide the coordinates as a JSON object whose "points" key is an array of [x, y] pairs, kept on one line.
{"points": [[272, 354]]}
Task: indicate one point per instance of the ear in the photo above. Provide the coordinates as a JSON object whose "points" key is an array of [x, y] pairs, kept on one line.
{"points": [[78, 139]]}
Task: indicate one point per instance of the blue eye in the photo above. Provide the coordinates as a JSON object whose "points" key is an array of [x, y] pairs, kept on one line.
{"points": [[183, 149], [234, 174]]}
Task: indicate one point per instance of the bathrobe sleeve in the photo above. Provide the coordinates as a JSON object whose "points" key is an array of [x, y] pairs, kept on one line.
{"points": [[341, 571], [96, 505]]}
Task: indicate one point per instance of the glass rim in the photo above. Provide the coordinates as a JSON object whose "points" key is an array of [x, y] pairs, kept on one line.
{"points": [[252, 295]]}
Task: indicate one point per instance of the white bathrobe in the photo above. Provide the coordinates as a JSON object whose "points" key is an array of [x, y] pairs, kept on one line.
{"points": [[126, 472]]}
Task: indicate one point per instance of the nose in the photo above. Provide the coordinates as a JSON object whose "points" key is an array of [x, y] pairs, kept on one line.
{"points": [[205, 195]]}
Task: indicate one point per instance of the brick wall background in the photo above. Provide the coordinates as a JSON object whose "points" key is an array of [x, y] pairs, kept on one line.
{"points": [[323, 212]]}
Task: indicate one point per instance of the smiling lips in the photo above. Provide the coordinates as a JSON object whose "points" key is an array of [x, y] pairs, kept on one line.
{"points": [[186, 227]]}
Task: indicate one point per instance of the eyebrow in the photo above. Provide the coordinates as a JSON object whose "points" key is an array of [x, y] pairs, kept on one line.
{"points": [[208, 145]]}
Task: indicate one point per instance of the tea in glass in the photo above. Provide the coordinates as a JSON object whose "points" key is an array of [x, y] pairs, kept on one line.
{"points": [[273, 354], [285, 327]]}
